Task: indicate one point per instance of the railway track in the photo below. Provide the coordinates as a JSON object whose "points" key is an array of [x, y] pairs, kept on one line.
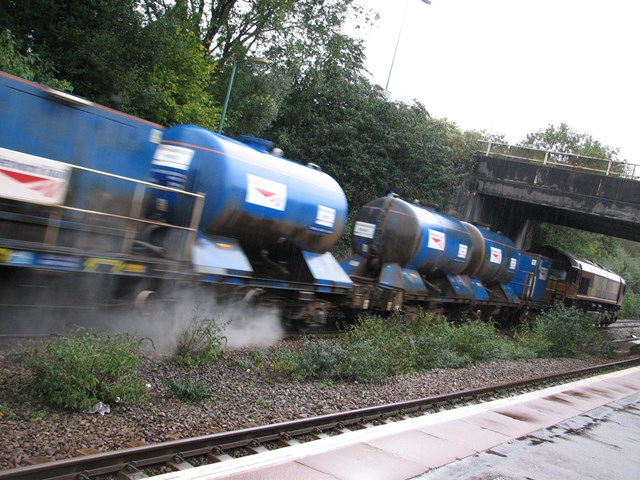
{"points": [[181, 454], [625, 324]]}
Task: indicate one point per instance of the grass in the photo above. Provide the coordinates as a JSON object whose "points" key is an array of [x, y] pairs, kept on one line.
{"points": [[189, 390], [564, 332]]}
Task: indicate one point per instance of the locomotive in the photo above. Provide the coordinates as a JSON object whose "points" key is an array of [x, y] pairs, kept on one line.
{"points": [[102, 210]]}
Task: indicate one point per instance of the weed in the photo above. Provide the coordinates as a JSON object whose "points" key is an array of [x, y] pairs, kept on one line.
{"points": [[259, 358], [6, 412], [262, 403], [78, 370], [189, 391], [243, 363], [201, 343], [37, 416]]}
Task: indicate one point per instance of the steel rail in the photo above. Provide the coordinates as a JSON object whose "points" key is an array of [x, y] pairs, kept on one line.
{"points": [[176, 451]]}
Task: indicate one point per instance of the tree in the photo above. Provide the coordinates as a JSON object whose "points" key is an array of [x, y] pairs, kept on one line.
{"points": [[112, 54], [92, 44], [568, 141], [565, 139], [172, 83], [335, 118], [28, 66], [143, 56], [294, 36]]}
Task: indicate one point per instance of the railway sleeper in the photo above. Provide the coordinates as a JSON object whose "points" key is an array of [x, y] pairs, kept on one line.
{"points": [[255, 447], [178, 463], [288, 442], [217, 455], [131, 472]]}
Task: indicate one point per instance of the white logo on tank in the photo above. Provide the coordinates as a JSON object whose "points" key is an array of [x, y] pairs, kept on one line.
{"points": [[266, 193]]}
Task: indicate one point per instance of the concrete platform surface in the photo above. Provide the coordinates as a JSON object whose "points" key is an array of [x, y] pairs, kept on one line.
{"points": [[584, 430]]}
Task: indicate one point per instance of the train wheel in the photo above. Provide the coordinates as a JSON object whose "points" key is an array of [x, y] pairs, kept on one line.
{"points": [[146, 303], [313, 316]]}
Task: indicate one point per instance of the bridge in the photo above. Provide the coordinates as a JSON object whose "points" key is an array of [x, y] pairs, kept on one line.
{"points": [[512, 188]]}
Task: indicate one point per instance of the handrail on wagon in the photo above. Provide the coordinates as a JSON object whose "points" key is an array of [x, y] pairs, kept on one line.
{"points": [[133, 218]]}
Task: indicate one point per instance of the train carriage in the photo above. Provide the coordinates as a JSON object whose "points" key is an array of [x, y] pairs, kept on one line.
{"points": [[73, 182], [413, 255], [96, 212]]}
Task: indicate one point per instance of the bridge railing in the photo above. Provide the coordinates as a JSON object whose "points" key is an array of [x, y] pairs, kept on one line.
{"points": [[561, 159]]}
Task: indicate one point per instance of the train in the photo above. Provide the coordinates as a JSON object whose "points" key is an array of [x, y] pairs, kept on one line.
{"points": [[103, 210]]}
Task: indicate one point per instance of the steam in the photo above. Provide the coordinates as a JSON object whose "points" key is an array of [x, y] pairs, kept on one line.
{"points": [[242, 324], [164, 323]]}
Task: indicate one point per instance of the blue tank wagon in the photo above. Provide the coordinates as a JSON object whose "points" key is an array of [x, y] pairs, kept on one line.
{"points": [[267, 223], [412, 255]]}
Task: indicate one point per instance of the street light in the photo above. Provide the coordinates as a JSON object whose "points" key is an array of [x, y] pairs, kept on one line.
{"points": [[258, 60], [386, 88]]}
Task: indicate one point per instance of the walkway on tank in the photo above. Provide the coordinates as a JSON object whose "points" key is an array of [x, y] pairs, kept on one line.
{"points": [[582, 430]]}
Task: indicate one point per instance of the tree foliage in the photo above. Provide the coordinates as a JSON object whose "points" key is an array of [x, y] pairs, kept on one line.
{"points": [[27, 65], [580, 149], [113, 55], [335, 118], [91, 44], [173, 84], [563, 138]]}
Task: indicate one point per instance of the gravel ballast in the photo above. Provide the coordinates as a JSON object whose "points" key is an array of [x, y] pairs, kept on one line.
{"points": [[240, 395]]}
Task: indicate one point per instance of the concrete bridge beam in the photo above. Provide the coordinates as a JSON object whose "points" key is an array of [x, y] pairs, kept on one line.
{"points": [[512, 196]]}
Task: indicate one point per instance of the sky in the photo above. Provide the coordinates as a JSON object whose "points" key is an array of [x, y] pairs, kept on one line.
{"points": [[514, 67]]}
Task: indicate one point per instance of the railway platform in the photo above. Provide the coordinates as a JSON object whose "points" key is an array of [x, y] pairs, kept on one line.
{"points": [[581, 430]]}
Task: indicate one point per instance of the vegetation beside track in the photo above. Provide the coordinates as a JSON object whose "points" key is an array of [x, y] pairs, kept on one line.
{"points": [[376, 348], [76, 371]]}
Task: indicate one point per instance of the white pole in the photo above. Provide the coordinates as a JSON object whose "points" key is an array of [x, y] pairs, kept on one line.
{"points": [[406, 4]]}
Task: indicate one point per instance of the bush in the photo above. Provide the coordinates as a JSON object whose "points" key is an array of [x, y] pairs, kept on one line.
{"points": [[78, 370], [201, 343], [630, 305], [565, 332], [320, 359], [376, 348], [189, 391]]}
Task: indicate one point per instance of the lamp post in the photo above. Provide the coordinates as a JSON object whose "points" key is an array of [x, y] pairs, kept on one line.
{"points": [[406, 4], [259, 60]]}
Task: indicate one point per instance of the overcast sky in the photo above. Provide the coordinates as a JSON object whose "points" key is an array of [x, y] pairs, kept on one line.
{"points": [[516, 66]]}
